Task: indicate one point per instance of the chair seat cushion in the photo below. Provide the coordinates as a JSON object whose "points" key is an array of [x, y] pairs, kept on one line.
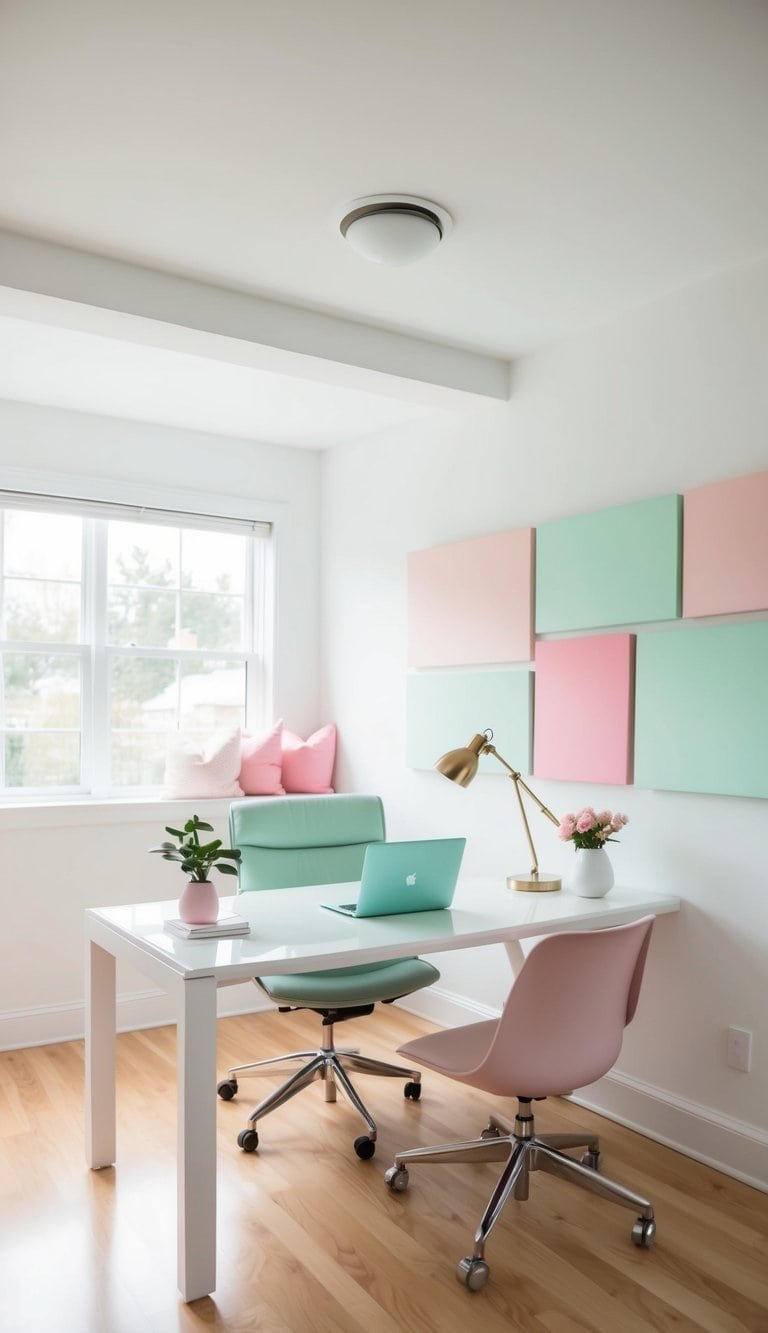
{"points": [[342, 987], [453, 1051]]}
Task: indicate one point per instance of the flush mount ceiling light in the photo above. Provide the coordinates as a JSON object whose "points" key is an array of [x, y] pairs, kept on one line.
{"points": [[394, 228]]}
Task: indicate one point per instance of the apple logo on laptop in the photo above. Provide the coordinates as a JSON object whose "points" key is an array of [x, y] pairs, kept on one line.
{"points": [[410, 880]]}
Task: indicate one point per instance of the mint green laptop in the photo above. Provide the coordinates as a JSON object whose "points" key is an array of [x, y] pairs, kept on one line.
{"points": [[418, 876]]}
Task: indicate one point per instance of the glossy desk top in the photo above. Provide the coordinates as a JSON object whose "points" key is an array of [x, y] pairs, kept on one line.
{"points": [[292, 932]]}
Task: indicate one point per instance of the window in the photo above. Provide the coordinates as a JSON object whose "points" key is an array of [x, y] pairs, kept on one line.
{"points": [[120, 627]]}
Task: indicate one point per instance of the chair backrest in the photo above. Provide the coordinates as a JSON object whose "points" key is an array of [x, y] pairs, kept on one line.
{"points": [[563, 1022], [290, 840]]}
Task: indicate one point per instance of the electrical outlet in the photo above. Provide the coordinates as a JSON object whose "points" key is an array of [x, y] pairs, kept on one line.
{"points": [[738, 1049]]}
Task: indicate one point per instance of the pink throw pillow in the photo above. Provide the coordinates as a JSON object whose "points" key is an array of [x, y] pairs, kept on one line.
{"points": [[308, 765], [261, 760]]}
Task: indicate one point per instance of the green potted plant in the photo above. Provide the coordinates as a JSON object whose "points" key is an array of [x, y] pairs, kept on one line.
{"points": [[199, 901]]}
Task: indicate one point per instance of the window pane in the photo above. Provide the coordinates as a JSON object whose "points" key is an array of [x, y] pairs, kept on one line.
{"points": [[138, 758], [41, 690], [144, 693], [42, 611], [142, 617], [43, 545], [42, 759], [211, 620], [143, 553], [213, 561], [212, 698]]}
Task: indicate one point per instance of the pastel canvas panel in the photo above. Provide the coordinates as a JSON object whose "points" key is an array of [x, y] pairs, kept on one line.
{"points": [[446, 708], [725, 547], [583, 709], [472, 602], [618, 566], [701, 713]]}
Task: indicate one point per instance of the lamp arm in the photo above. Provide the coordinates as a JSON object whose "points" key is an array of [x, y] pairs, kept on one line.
{"points": [[518, 781], [532, 849], [491, 749]]}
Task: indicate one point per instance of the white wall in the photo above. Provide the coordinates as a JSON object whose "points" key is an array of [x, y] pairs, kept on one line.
{"points": [[58, 861], [672, 396]]}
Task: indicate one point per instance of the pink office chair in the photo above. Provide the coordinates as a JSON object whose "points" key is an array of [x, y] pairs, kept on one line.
{"points": [[561, 1028]]}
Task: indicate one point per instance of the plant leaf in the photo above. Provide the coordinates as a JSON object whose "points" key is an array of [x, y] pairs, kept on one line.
{"points": [[226, 870]]}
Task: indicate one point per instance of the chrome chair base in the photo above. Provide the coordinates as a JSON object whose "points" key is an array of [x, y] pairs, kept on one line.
{"points": [[329, 1065], [523, 1151]]}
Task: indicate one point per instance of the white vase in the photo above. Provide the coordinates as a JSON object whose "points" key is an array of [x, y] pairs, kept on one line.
{"points": [[591, 873], [199, 903]]}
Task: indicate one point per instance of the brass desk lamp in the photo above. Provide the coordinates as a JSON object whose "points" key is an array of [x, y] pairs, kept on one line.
{"points": [[461, 766]]}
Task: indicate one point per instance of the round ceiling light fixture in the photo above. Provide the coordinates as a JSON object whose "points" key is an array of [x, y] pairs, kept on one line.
{"points": [[394, 228]]}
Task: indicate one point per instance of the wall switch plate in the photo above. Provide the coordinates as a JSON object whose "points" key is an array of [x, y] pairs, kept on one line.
{"points": [[738, 1049]]}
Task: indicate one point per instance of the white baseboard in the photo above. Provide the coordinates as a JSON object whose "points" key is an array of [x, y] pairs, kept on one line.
{"points": [[446, 1008], [729, 1145], [733, 1146], [47, 1024]]}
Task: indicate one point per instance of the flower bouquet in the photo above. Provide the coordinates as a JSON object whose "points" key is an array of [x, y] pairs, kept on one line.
{"points": [[589, 830]]}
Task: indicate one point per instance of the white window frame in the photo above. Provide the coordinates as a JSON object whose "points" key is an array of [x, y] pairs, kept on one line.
{"points": [[178, 509]]}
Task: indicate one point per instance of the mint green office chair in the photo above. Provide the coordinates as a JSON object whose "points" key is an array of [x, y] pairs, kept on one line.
{"points": [[294, 840]]}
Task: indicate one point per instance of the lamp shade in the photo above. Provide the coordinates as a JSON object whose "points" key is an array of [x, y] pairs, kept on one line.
{"points": [[461, 765]]}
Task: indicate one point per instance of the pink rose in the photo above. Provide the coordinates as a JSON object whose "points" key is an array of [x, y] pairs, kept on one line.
{"points": [[616, 822], [604, 817], [566, 827], [585, 821]]}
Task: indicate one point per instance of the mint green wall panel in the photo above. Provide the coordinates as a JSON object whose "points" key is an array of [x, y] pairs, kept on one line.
{"points": [[701, 710], [446, 708], [617, 566]]}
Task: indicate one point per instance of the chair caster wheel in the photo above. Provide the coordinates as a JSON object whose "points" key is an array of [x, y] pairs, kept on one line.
{"points": [[472, 1273], [644, 1232], [248, 1140], [227, 1089], [491, 1133], [397, 1179], [412, 1091], [365, 1147], [591, 1159]]}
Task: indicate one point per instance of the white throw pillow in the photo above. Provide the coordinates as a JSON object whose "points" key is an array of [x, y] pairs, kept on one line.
{"points": [[193, 769]]}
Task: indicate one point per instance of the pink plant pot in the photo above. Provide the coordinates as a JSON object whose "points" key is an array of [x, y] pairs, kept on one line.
{"points": [[199, 903]]}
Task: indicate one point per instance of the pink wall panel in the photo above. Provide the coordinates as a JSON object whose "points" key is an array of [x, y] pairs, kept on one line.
{"points": [[725, 547], [583, 708], [472, 602]]}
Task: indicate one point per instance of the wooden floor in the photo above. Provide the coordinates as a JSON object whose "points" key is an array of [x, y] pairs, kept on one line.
{"points": [[311, 1240]]}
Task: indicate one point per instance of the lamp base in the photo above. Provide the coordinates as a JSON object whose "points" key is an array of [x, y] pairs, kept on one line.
{"points": [[541, 882]]}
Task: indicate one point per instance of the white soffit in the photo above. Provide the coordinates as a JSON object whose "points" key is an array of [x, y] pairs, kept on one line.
{"points": [[86, 372], [53, 284]]}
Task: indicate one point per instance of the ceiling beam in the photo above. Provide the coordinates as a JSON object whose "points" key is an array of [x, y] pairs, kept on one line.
{"points": [[54, 284]]}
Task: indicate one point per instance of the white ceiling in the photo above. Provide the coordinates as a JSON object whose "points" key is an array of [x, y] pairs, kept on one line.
{"points": [[593, 153]]}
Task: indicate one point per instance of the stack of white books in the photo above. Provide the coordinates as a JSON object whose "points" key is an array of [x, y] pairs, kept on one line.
{"points": [[226, 925]]}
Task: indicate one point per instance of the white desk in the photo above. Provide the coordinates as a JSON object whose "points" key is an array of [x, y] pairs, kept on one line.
{"points": [[290, 932]]}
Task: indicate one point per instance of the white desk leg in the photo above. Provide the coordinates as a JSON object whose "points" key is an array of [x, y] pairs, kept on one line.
{"points": [[196, 1166], [100, 1024], [515, 955]]}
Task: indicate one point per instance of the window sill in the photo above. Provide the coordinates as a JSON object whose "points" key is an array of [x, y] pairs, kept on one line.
{"points": [[132, 810]]}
